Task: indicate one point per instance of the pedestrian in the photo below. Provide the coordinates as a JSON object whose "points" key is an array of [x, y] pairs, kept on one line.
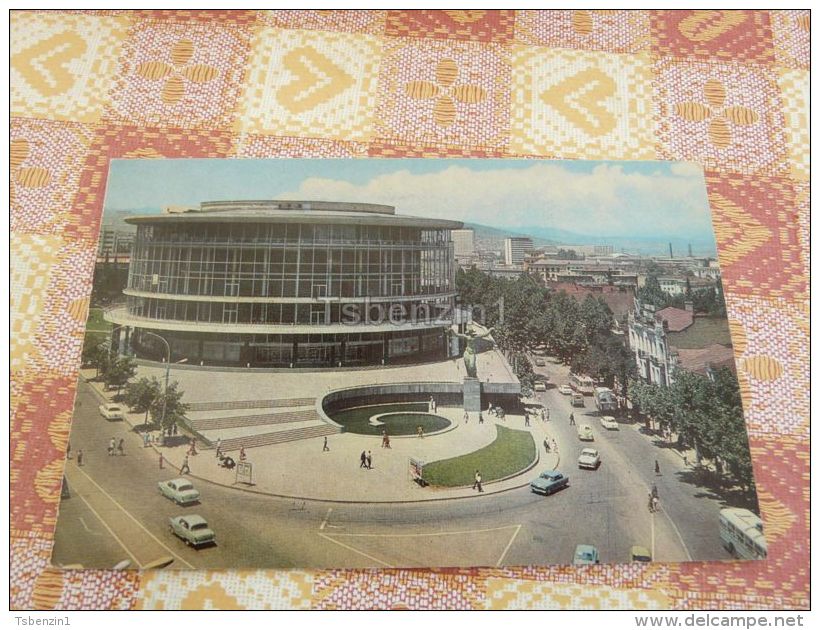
{"points": [[174, 429], [369, 461], [112, 445], [548, 413], [121, 446], [685, 460], [554, 445], [185, 468], [145, 437], [420, 431], [363, 458], [218, 446], [466, 417], [192, 449], [480, 418], [384, 437], [325, 447], [651, 503], [654, 490], [386, 441], [68, 451], [657, 468], [571, 419], [546, 445], [80, 457], [477, 482], [655, 504], [526, 419], [243, 456], [161, 462]]}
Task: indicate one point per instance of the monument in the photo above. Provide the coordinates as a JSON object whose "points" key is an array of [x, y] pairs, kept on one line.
{"points": [[472, 386]]}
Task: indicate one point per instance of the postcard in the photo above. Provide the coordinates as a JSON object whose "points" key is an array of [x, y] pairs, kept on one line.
{"points": [[299, 363]]}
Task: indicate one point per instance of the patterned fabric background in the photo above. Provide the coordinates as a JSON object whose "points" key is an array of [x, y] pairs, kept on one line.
{"points": [[726, 89]]}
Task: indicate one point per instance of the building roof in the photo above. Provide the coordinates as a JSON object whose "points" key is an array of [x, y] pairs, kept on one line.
{"points": [[699, 360], [275, 211], [677, 319], [703, 332]]}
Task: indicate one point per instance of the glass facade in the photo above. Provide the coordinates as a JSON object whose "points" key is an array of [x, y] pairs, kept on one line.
{"points": [[341, 276]]}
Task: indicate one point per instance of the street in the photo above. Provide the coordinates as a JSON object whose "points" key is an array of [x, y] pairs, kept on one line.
{"points": [[116, 513]]}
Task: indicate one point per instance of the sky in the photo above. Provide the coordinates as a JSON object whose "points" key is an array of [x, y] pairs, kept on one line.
{"points": [[636, 199]]}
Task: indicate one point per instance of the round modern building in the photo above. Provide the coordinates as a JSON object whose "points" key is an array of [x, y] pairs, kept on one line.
{"points": [[288, 284]]}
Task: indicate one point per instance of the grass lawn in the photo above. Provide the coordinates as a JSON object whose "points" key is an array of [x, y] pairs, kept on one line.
{"points": [[357, 420], [95, 321], [510, 452]]}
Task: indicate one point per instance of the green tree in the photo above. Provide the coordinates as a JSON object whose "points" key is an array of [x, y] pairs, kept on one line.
{"points": [[170, 404], [607, 359], [141, 394], [119, 372], [97, 355]]}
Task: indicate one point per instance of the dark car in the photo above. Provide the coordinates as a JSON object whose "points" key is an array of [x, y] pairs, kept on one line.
{"points": [[548, 482]]}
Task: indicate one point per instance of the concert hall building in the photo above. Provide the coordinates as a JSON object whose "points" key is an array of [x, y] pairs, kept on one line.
{"points": [[288, 284]]}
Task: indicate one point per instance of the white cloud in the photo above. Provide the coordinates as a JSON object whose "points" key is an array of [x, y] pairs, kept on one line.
{"points": [[605, 201]]}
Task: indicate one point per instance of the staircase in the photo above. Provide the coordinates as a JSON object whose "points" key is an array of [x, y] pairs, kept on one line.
{"points": [[277, 437], [251, 404], [232, 422]]}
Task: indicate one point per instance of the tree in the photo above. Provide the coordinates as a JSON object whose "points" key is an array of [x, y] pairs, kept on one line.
{"points": [[170, 403], [606, 359], [119, 372], [140, 395], [523, 370], [97, 355], [568, 254]]}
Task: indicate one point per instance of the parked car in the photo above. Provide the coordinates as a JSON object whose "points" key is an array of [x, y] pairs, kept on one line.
{"points": [[566, 390], [589, 458], [180, 491], [585, 554], [609, 423], [192, 529], [540, 386], [540, 361], [578, 400], [585, 433], [548, 482], [112, 412], [639, 554]]}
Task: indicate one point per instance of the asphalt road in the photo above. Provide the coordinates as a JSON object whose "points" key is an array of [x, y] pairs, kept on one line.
{"points": [[116, 512]]}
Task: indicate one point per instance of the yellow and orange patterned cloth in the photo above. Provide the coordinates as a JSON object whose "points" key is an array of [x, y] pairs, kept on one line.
{"points": [[728, 90]]}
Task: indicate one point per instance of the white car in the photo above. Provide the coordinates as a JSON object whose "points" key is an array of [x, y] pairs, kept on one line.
{"points": [[589, 458], [180, 491], [566, 390], [609, 423], [112, 412], [540, 386], [585, 433]]}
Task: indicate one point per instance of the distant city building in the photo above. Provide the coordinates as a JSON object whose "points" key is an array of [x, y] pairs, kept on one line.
{"points": [[516, 248], [464, 245], [115, 242], [679, 285], [590, 250]]}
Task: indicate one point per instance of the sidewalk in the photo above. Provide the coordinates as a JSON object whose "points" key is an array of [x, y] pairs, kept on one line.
{"points": [[302, 470]]}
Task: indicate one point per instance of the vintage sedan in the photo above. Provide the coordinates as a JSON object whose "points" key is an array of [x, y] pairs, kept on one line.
{"points": [[192, 529], [589, 458], [566, 390], [609, 423], [585, 433], [180, 491], [585, 554], [548, 482], [112, 412], [540, 361]]}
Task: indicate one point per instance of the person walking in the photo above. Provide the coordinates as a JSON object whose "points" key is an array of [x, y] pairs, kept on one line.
{"points": [[548, 414], [657, 468], [466, 417], [363, 458], [218, 447], [192, 450], [526, 419], [68, 451], [480, 418], [121, 446], [112, 445], [651, 503], [654, 490], [325, 448], [369, 461], [571, 419], [386, 441], [546, 445], [161, 462], [80, 457], [243, 456], [185, 468], [477, 482]]}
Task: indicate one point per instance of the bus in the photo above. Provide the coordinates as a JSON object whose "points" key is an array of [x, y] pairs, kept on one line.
{"points": [[741, 531], [605, 399], [582, 383]]}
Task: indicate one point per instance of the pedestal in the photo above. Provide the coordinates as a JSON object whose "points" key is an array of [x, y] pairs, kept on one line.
{"points": [[472, 394]]}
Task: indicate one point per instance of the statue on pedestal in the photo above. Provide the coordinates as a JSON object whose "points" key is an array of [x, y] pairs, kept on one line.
{"points": [[471, 350]]}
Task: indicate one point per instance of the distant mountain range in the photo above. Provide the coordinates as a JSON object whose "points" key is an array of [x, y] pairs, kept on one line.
{"points": [[493, 238]]}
